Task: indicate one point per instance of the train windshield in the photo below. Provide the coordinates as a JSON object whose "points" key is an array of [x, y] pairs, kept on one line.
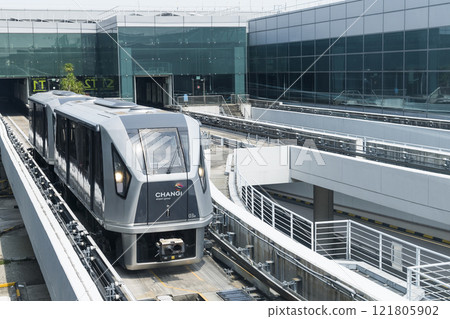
{"points": [[162, 151]]}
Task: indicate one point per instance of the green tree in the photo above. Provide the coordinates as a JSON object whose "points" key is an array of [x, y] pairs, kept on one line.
{"points": [[70, 82]]}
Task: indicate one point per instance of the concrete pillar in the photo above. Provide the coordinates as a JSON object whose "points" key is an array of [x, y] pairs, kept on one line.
{"points": [[323, 204]]}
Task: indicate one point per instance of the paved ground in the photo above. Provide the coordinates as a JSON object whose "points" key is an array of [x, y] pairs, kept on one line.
{"points": [[17, 260]]}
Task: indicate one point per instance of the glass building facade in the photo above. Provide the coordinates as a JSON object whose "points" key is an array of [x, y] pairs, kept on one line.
{"points": [[36, 52], [390, 55], [197, 59], [114, 58]]}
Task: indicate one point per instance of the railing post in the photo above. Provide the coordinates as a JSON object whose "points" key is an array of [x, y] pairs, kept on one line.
{"points": [[273, 215], [408, 283], [418, 261], [253, 201], [292, 226], [349, 241], [247, 197], [315, 226], [380, 248], [262, 208]]}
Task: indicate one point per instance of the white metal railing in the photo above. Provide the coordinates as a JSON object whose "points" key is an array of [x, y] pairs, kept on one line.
{"points": [[421, 270], [275, 215], [418, 266], [434, 279]]}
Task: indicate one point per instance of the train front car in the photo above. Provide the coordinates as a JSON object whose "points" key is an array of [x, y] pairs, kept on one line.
{"points": [[149, 184]]}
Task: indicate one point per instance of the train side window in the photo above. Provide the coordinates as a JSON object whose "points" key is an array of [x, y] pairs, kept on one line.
{"points": [[72, 141], [61, 129], [82, 142]]}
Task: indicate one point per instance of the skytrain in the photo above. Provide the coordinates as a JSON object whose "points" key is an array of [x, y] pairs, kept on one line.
{"points": [[138, 171]]}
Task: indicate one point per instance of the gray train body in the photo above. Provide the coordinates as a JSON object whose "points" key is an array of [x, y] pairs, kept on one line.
{"points": [[139, 171]]}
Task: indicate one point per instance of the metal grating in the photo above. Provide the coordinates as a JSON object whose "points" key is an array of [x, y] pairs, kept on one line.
{"points": [[235, 295]]}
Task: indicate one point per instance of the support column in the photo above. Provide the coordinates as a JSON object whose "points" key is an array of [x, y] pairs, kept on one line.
{"points": [[323, 204]]}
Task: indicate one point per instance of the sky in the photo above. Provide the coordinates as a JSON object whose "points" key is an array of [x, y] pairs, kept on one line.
{"points": [[254, 5]]}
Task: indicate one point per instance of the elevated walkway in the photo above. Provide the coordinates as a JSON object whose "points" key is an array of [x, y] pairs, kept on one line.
{"points": [[419, 194]]}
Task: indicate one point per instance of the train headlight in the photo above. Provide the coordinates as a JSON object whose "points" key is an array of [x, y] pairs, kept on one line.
{"points": [[201, 172], [122, 176], [118, 176]]}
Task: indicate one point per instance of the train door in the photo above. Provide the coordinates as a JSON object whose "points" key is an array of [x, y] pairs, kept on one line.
{"points": [[167, 187]]}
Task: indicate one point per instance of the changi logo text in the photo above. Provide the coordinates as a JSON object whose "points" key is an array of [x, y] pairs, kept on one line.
{"points": [[169, 195]]}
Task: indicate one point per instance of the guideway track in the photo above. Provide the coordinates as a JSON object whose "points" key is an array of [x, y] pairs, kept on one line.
{"points": [[103, 275]]}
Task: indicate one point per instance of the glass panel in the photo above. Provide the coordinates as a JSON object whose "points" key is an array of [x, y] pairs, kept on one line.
{"points": [[162, 151], [322, 46], [282, 49], [393, 84], [339, 46], [373, 42], [373, 62], [308, 87], [354, 44], [439, 60], [308, 48], [323, 64], [308, 63], [295, 64], [282, 65], [438, 84], [271, 51], [272, 91], [439, 92], [323, 85], [295, 49], [296, 89], [271, 65], [261, 51], [416, 85], [416, 39], [416, 60], [440, 37], [392, 41], [338, 62], [373, 85], [337, 83], [20, 60], [354, 82], [354, 62], [393, 61], [262, 83]]}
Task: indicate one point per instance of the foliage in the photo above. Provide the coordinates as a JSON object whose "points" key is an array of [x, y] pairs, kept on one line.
{"points": [[70, 82]]}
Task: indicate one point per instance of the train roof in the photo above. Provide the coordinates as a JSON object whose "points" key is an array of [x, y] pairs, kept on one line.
{"points": [[100, 111], [56, 97]]}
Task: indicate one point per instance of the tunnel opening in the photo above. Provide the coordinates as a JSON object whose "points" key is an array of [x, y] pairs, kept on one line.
{"points": [[13, 95], [154, 91]]}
